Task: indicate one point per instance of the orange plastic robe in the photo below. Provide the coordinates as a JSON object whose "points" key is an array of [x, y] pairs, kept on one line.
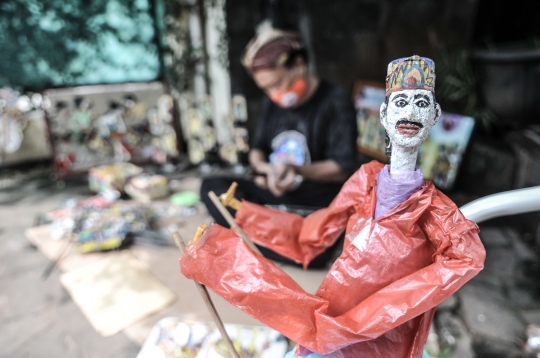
{"points": [[378, 298]]}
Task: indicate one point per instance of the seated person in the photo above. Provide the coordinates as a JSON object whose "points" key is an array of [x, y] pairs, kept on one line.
{"points": [[304, 147]]}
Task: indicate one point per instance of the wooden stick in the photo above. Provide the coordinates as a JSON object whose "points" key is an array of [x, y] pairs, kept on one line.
{"points": [[227, 215], [208, 301], [61, 253]]}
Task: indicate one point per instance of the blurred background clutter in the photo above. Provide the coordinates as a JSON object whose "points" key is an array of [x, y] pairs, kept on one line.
{"points": [[114, 113]]}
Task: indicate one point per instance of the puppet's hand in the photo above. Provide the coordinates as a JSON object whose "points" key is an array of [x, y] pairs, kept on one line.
{"points": [[228, 199], [200, 232]]}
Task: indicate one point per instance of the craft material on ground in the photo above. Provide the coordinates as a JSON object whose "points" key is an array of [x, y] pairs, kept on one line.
{"points": [[66, 211], [176, 337], [185, 198], [146, 187], [64, 219], [115, 292], [98, 225], [39, 237], [161, 214], [108, 228], [112, 177]]}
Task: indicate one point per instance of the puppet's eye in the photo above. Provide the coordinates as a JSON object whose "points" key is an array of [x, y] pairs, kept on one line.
{"points": [[401, 103], [422, 104]]}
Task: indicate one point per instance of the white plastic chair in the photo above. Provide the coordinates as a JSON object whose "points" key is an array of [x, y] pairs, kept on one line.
{"points": [[506, 203]]}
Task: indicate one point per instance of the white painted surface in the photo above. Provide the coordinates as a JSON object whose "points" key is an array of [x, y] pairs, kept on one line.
{"points": [[220, 81], [195, 31], [413, 106], [506, 203]]}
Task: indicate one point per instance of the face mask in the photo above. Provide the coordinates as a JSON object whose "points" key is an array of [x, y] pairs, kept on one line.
{"points": [[290, 97]]}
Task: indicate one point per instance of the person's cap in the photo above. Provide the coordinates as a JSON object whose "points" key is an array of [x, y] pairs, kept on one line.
{"points": [[408, 73], [270, 49]]}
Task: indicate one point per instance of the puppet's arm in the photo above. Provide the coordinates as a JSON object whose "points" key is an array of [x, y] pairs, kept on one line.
{"points": [[259, 288], [302, 239]]}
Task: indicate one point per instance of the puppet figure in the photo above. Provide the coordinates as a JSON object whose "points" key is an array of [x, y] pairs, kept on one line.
{"points": [[80, 121], [407, 246]]}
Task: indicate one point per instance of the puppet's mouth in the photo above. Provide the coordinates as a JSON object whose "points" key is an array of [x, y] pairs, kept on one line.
{"points": [[408, 127]]}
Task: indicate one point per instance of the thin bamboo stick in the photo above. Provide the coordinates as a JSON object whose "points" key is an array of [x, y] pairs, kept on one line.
{"points": [[237, 229], [208, 301]]}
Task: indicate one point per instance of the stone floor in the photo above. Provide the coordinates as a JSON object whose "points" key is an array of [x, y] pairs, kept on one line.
{"points": [[486, 318], [496, 306], [38, 318]]}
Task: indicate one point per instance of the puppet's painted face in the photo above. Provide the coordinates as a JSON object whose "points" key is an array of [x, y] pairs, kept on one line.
{"points": [[408, 117]]}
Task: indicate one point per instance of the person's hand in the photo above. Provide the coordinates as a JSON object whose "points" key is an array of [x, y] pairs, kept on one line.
{"points": [[261, 180], [277, 178], [269, 179], [272, 179], [285, 175]]}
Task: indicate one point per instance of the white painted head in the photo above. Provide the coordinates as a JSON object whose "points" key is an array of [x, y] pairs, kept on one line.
{"points": [[410, 110], [408, 117]]}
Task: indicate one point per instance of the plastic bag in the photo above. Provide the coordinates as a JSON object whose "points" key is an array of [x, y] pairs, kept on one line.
{"points": [[394, 189]]}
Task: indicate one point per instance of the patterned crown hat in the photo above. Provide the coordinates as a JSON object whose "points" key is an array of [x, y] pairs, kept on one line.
{"points": [[408, 73]]}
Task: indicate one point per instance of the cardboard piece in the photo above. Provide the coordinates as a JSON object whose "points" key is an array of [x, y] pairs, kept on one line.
{"points": [[116, 292]]}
